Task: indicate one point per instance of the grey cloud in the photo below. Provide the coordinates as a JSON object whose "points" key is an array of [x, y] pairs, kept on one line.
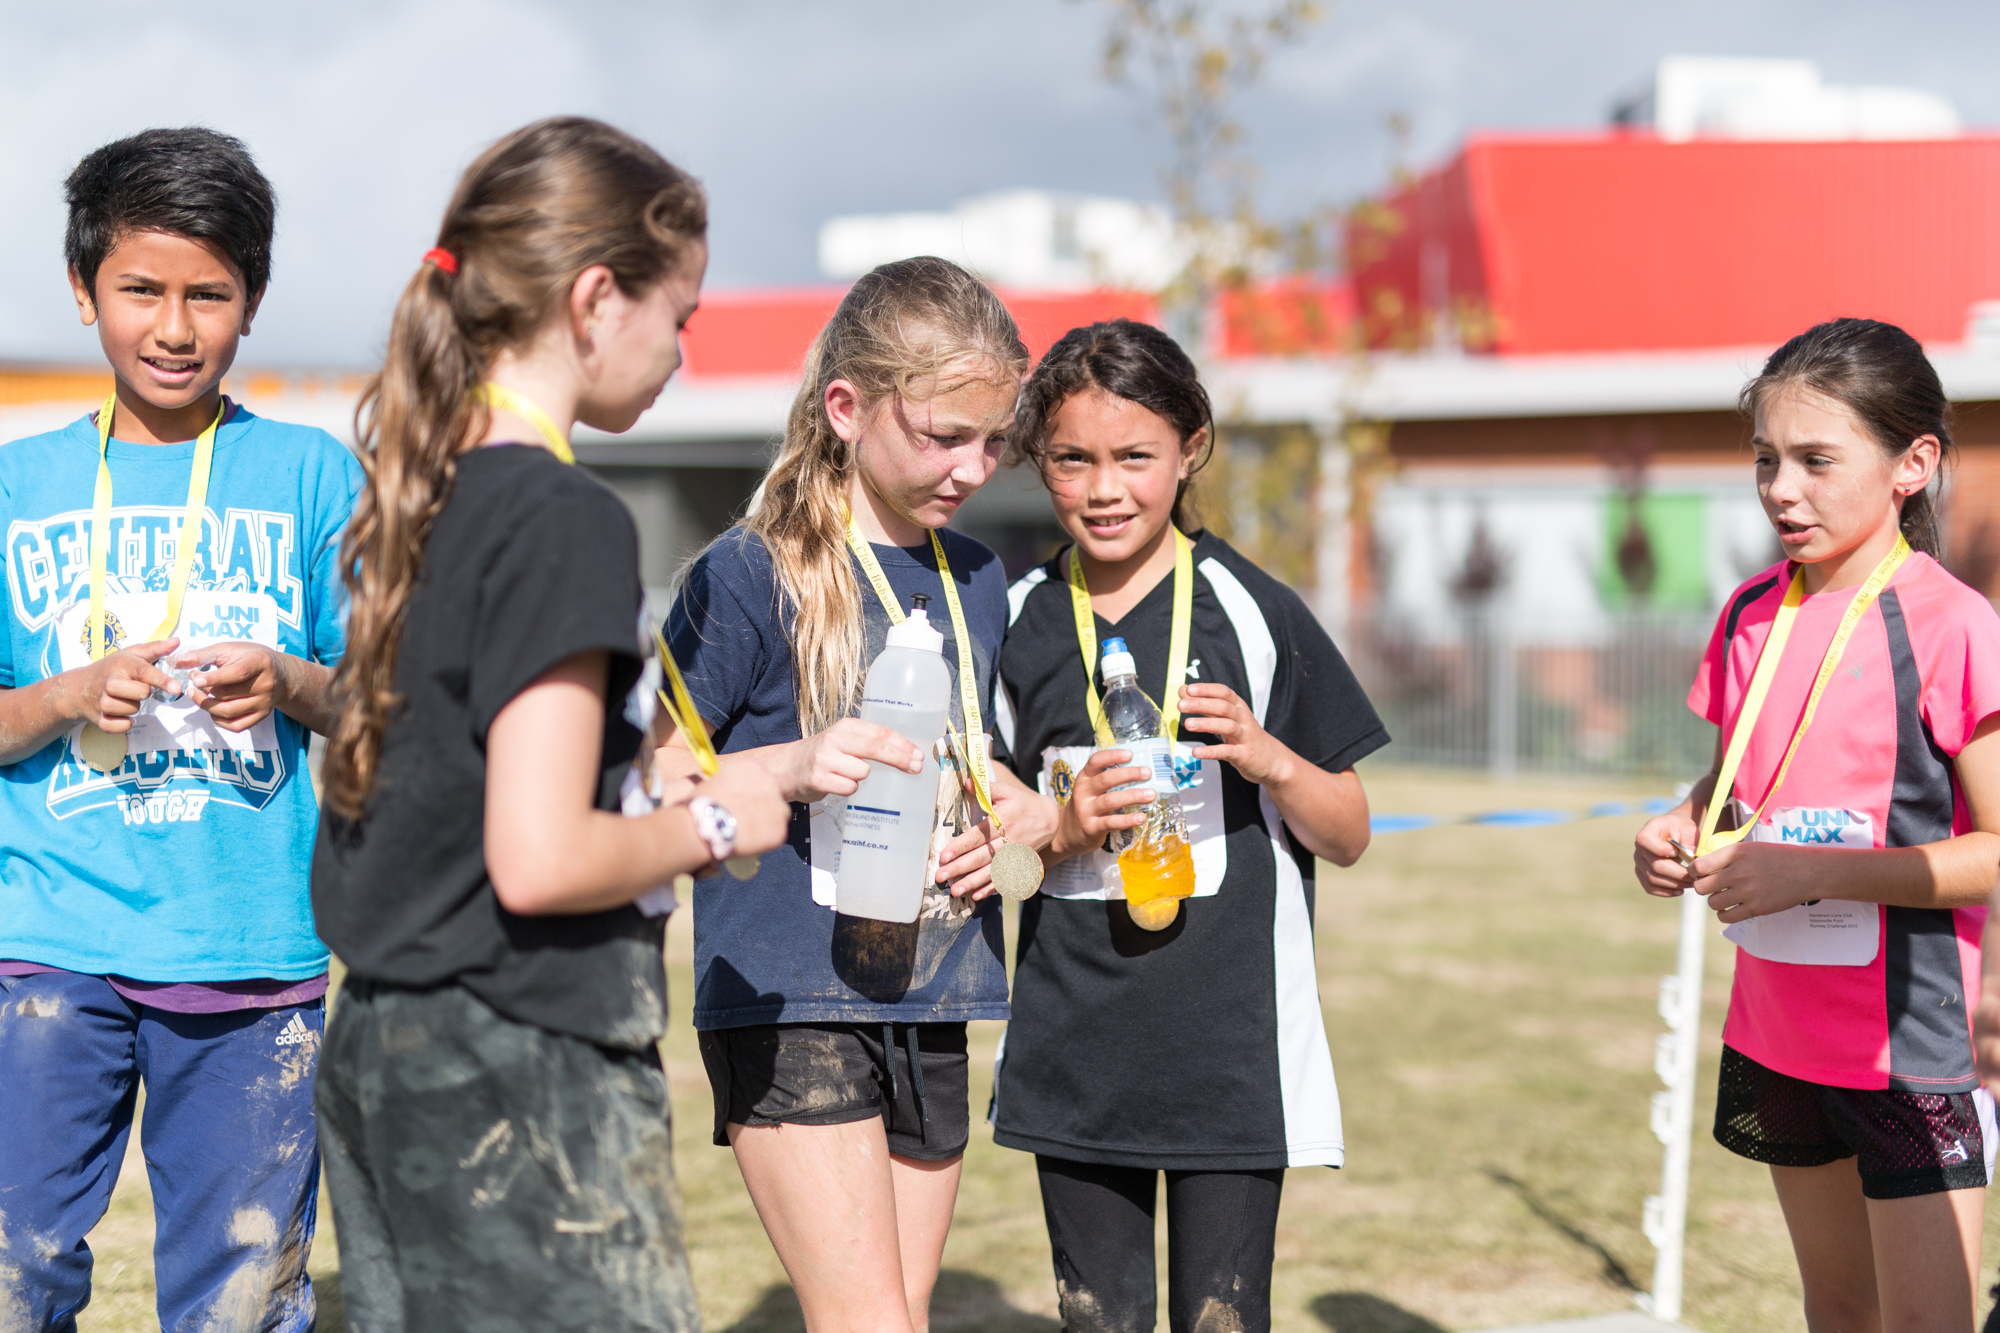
{"points": [[365, 113]]}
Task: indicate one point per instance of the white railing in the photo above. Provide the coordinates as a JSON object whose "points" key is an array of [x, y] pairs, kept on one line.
{"points": [[1674, 1059], [1525, 698]]}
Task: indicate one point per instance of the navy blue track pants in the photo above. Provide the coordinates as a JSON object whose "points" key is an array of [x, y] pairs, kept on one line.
{"points": [[228, 1138]]}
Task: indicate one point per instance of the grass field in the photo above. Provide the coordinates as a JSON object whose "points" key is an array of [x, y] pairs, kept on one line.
{"points": [[1489, 997]]}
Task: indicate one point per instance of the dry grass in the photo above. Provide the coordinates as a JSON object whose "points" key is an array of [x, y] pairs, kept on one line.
{"points": [[1489, 996]]}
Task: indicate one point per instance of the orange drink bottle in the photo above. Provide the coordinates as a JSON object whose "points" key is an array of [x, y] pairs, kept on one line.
{"points": [[1154, 860]]}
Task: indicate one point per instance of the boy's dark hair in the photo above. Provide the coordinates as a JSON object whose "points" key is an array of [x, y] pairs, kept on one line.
{"points": [[192, 182], [1128, 360], [1879, 373]]}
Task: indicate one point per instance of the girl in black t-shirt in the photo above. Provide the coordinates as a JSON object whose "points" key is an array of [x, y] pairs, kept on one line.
{"points": [[491, 1104], [1195, 1047]]}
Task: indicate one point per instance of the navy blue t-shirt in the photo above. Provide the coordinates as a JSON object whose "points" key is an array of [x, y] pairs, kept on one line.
{"points": [[765, 952]]}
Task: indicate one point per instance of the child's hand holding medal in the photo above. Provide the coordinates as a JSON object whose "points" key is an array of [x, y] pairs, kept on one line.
{"points": [[1016, 867]]}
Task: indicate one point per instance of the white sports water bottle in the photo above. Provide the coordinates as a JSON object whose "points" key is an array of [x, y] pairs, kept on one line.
{"points": [[885, 842]]}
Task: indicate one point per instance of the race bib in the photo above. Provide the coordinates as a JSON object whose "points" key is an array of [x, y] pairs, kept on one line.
{"points": [[1828, 933], [1094, 874], [206, 617]]}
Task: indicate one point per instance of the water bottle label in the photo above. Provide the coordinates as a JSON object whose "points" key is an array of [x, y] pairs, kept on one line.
{"points": [[869, 827], [1156, 755]]}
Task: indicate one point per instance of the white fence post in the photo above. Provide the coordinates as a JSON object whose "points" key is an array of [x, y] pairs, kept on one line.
{"points": [[1503, 697], [1674, 1059]]}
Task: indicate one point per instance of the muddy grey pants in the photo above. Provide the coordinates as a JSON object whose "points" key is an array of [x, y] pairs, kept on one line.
{"points": [[494, 1177]]}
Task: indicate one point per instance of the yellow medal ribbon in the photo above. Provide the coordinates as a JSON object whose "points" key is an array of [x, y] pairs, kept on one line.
{"points": [[1760, 687], [104, 750], [681, 712], [1017, 869], [504, 398], [968, 676], [1177, 646], [184, 549]]}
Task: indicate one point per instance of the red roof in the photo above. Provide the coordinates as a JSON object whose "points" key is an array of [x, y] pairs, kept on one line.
{"points": [[768, 332], [1623, 242], [1285, 317]]}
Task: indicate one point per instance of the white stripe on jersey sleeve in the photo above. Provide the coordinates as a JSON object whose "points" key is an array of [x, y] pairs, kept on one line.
{"points": [[1308, 1095], [1017, 597], [1018, 590], [1253, 635]]}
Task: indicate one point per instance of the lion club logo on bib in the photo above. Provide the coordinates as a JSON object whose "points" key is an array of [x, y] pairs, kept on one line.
{"points": [[114, 633], [1061, 780]]}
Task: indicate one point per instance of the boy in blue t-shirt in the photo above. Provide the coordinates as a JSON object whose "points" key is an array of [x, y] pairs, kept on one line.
{"points": [[174, 611]]}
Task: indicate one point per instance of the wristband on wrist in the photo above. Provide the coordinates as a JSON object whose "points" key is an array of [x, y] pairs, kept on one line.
{"points": [[716, 826]]}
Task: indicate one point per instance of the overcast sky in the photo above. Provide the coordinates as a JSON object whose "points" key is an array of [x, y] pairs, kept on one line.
{"points": [[363, 113]]}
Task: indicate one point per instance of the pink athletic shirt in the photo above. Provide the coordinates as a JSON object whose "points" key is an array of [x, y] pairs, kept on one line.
{"points": [[1920, 673]]}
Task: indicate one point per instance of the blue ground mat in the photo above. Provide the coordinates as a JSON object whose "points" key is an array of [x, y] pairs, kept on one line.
{"points": [[1521, 818]]}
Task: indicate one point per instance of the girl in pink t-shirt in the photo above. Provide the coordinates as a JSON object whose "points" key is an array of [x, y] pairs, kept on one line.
{"points": [[1867, 780]]}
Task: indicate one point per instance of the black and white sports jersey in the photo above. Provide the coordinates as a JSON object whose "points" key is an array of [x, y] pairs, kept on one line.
{"points": [[1201, 1046]]}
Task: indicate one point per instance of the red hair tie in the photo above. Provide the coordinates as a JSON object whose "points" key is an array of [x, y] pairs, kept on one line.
{"points": [[443, 258]]}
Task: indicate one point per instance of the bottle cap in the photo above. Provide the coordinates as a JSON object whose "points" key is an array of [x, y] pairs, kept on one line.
{"points": [[916, 631], [1118, 659]]}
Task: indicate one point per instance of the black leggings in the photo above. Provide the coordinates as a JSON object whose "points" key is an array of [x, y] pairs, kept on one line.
{"points": [[1221, 1228]]}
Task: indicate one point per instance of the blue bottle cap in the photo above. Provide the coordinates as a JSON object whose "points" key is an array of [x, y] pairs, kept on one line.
{"points": [[1115, 645]]}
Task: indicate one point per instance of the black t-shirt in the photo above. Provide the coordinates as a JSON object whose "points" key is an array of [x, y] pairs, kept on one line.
{"points": [[1201, 1046], [529, 563]]}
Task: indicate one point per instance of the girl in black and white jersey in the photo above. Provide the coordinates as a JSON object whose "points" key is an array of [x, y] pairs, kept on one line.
{"points": [[1198, 1049]]}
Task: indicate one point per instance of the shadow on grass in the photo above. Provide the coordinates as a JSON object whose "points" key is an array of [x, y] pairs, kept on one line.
{"points": [[1614, 1271], [1358, 1312], [332, 1316], [963, 1302]]}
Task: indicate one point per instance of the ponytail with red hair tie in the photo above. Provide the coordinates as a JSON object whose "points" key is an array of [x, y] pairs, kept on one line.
{"points": [[443, 258]]}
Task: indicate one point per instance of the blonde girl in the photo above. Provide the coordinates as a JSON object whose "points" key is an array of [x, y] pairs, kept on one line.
{"points": [[835, 1045], [490, 1099]]}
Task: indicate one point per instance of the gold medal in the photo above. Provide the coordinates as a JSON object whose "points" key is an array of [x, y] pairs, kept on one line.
{"points": [[102, 750], [1017, 871], [743, 867], [1155, 915]]}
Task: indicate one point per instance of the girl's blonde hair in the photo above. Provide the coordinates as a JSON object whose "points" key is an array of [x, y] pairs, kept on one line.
{"points": [[537, 209], [914, 328]]}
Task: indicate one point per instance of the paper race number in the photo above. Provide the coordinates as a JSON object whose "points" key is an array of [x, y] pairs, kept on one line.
{"points": [[1095, 874], [1828, 933]]}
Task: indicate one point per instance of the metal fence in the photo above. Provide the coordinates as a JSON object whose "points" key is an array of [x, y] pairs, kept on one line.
{"points": [[1609, 697]]}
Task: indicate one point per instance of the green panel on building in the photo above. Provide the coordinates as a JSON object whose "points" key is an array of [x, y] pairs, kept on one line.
{"points": [[1663, 565]]}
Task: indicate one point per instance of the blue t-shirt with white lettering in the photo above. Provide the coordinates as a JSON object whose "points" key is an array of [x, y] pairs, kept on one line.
{"points": [[189, 862]]}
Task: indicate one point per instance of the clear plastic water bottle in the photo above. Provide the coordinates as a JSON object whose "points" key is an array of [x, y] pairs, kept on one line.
{"points": [[885, 841], [1154, 860]]}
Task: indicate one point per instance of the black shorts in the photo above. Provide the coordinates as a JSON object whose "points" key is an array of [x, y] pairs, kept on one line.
{"points": [[913, 1075], [1909, 1143]]}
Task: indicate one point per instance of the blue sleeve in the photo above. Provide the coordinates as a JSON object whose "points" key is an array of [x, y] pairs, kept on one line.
{"points": [[722, 626], [340, 483], [12, 625]]}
